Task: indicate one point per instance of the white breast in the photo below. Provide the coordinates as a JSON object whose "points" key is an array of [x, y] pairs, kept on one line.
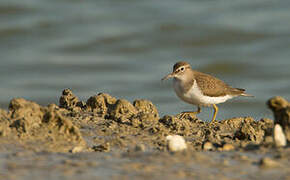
{"points": [[195, 96]]}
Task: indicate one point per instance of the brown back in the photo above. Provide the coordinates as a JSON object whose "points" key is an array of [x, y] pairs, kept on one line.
{"points": [[214, 87]]}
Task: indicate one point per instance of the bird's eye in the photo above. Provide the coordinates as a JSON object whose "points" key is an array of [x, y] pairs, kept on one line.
{"points": [[182, 69]]}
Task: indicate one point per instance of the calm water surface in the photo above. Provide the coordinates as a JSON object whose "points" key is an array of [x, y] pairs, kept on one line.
{"points": [[125, 47]]}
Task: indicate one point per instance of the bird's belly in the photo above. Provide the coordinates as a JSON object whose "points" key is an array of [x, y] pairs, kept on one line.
{"points": [[196, 97]]}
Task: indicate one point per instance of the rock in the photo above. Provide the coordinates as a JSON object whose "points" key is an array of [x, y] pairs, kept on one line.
{"points": [[228, 147], [176, 143], [244, 158], [76, 149], [140, 147], [267, 162], [279, 137], [102, 147], [208, 146], [281, 110]]}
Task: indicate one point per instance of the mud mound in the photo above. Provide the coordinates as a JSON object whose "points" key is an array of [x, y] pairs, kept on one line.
{"points": [[108, 124], [25, 115], [281, 110], [236, 131], [142, 113], [124, 125], [45, 128]]}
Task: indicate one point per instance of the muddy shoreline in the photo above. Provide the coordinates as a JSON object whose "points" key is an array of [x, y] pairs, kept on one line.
{"points": [[106, 137]]}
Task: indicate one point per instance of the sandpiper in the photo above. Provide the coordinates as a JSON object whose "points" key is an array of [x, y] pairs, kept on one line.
{"points": [[201, 89]]}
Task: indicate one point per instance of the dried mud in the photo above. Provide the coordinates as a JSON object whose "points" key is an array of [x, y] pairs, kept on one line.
{"points": [[107, 137]]}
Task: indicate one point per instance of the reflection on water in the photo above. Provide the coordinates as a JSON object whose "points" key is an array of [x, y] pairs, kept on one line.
{"points": [[125, 48]]}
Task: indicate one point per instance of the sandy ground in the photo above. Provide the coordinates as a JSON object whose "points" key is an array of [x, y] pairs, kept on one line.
{"points": [[109, 138]]}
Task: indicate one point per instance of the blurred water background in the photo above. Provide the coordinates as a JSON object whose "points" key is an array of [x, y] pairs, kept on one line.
{"points": [[125, 47]]}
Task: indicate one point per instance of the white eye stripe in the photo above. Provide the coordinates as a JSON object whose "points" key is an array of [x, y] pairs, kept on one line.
{"points": [[181, 69]]}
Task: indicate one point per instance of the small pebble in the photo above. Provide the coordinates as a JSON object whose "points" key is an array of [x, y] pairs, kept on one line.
{"points": [[176, 143], [228, 147], [208, 146], [244, 158], [267, 162], [102, 147], [279, 136], [226, 162], [140, 147], [76, 149]]}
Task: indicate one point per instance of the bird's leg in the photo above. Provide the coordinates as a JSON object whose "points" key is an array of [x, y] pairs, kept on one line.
{"points": [[216, 109], [183, 114]]}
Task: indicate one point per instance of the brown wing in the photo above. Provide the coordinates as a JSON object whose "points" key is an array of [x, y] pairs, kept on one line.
{"points": [[214, 87]]}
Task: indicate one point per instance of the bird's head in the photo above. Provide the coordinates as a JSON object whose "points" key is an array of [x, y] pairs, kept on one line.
{"points": [[180, 69]]}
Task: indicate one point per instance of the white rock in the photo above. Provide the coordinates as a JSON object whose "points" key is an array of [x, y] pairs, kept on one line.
{"points": [[207, 146], [279, 136], [176, 143], [76, 149]]}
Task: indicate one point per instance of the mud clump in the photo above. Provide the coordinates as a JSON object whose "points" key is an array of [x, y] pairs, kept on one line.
{"points": [[69, 101], [142, 113], [123, 111], [25, 115], [101, 104], [250, 130], [146, 107], [45, 128], [4, 123], [281, 110], [182, 127], [56, 123]]}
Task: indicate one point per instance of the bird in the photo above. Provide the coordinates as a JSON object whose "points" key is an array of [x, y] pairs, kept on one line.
{"points": [[201, 89]]}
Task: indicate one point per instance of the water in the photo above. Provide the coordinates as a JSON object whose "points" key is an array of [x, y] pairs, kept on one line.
{"points": [[124, 48]]}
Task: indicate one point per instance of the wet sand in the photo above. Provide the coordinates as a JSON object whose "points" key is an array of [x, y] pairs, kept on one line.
{"points": [[106, 137]]}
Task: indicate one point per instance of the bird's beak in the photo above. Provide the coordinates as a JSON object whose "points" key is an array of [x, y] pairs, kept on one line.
{"points": [[171, 75]]}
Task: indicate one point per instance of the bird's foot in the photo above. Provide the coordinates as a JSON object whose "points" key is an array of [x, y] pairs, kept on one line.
{"points": [[213, 122], [184, 114]]}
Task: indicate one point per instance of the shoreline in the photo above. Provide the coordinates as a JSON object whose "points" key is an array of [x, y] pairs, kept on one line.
{"points": [[104, 126]]}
